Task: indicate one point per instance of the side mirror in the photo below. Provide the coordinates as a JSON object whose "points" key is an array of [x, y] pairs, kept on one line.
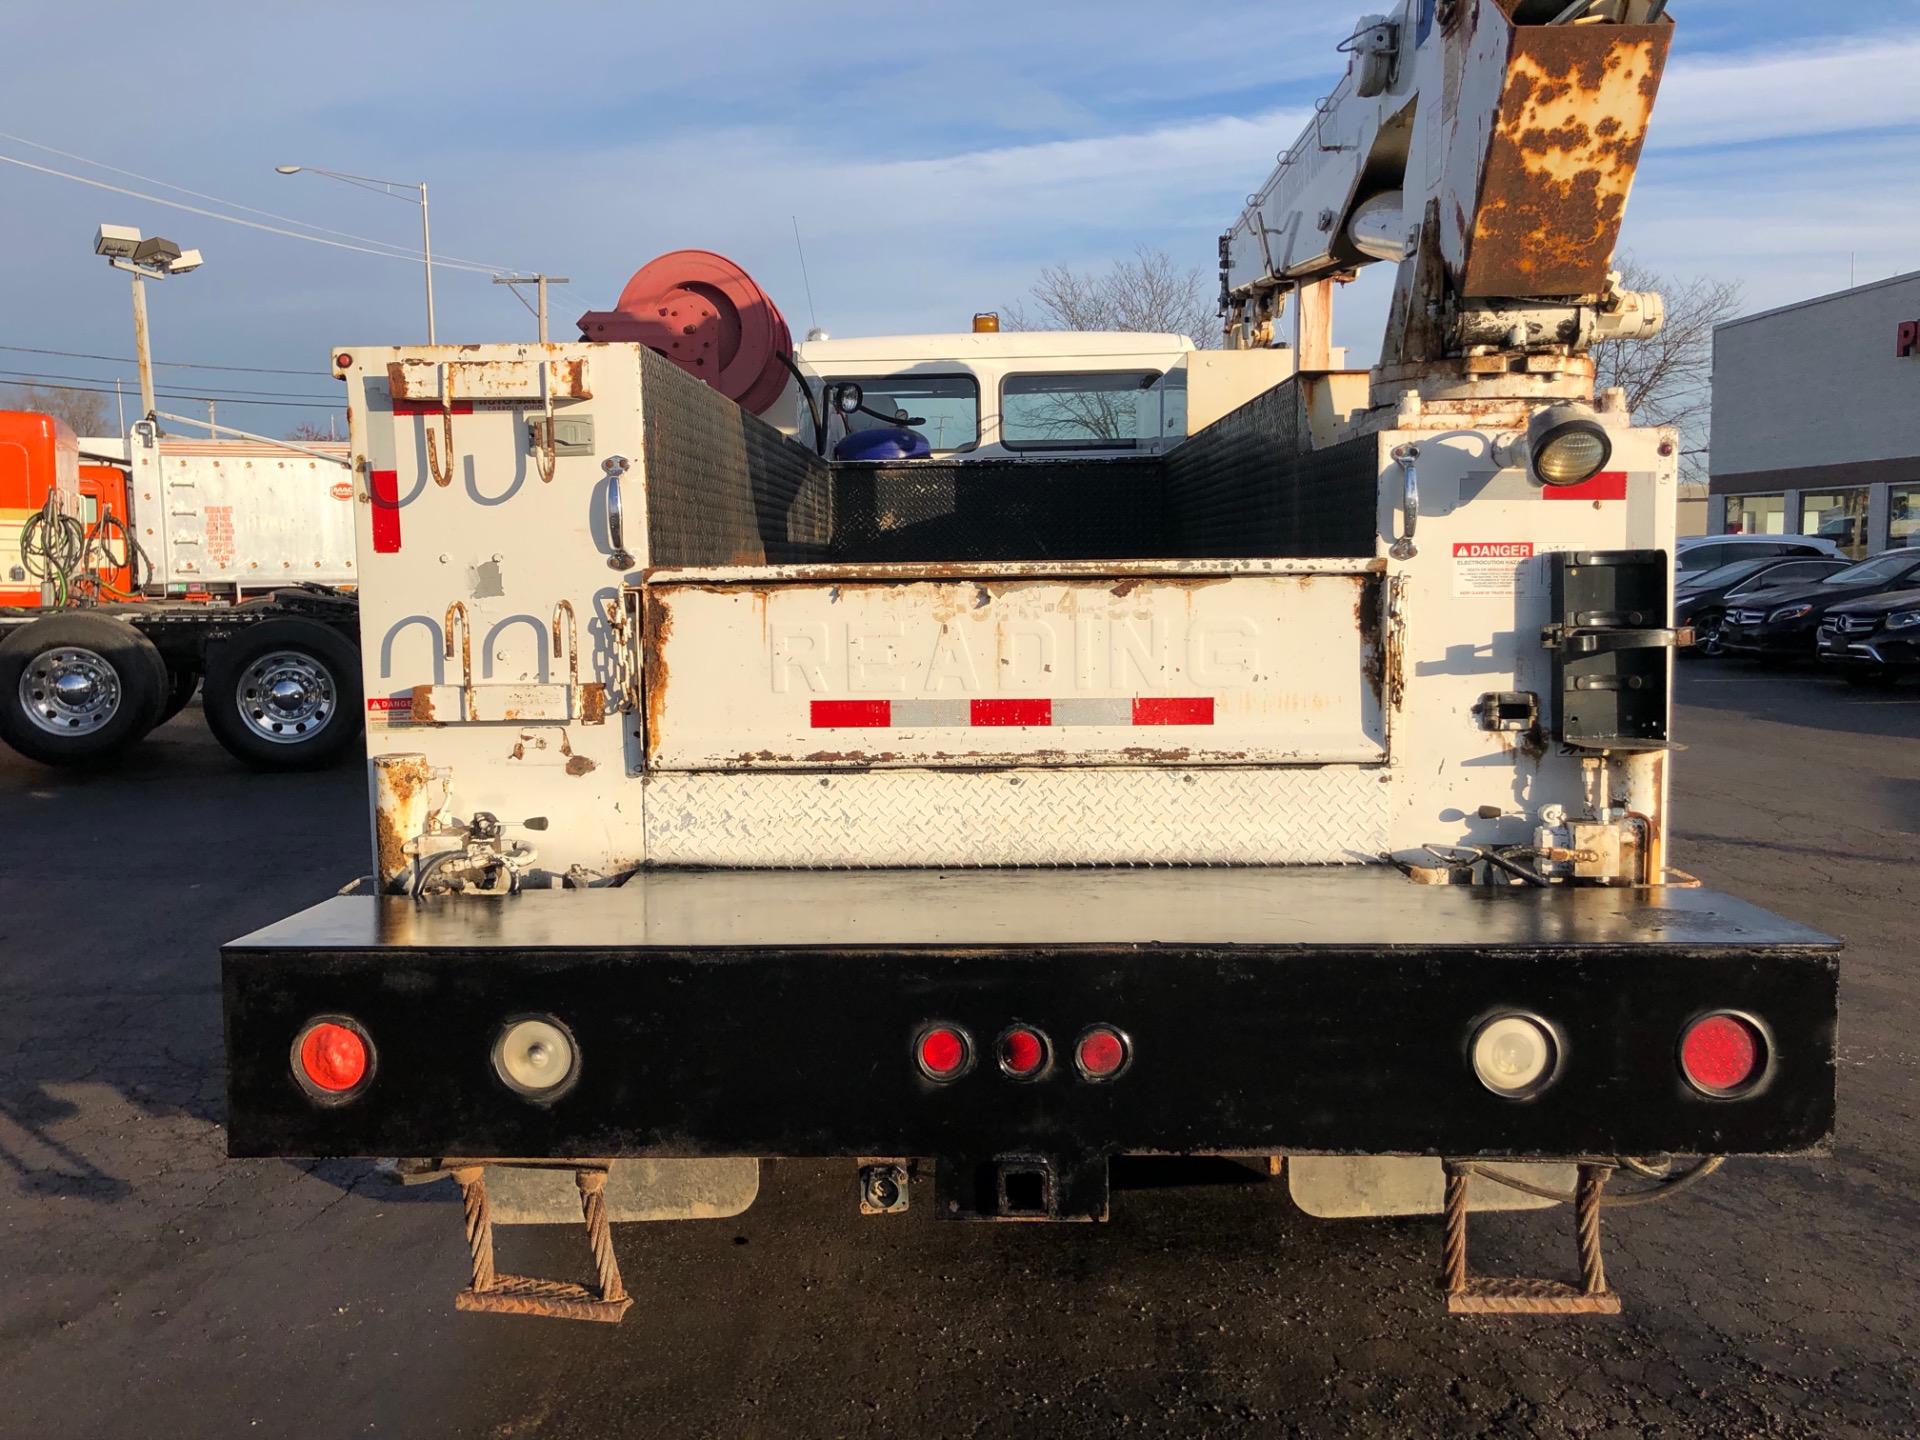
{"points": [[848, 398]]}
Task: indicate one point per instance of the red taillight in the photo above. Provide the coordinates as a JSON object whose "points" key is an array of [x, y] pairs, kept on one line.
{"points": [[943, 1052], [1101, 1053], [1722, 1053], [1023, 1052], [331, 1058]]}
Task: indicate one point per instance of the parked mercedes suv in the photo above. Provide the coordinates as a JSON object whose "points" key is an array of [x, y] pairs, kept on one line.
{"points": [[1784, 622], [1873, 641]]}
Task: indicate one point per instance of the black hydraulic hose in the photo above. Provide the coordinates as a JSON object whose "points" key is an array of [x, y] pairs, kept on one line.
{"points": [[1665, 1190], [813, 405]]}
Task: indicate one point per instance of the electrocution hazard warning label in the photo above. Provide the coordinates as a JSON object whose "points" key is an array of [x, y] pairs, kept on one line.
{"points": [[1489, 568]]}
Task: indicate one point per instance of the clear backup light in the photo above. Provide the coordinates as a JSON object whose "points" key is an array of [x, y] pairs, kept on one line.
{"points": [[536, 1057], [1723, 1055], [333, 1059], [1515, 1055]]}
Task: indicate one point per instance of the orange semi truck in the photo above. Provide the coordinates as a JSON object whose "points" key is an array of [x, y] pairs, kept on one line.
{"points": [[100, 642]]}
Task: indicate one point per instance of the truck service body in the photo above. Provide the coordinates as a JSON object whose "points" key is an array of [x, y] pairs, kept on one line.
{"points": [[1292, 782]]}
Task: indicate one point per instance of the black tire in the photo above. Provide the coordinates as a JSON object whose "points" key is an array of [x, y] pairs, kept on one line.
{"points": [[1870, 677], [316, 727], [180, 687], [108, 655], [1707, 628]]}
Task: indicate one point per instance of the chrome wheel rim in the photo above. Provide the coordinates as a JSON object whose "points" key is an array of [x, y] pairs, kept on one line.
{"points": [[286, 697], [70, 690]]}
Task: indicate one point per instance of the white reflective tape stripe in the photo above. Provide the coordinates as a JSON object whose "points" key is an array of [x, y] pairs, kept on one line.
{"points": [[938, 713], [1093, 712]]}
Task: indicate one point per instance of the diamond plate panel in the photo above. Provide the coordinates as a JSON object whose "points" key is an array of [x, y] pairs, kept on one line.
{"points": [[1332, 815]]}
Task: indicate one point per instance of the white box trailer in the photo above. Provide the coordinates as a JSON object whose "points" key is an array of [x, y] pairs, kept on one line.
{"points": [[236, 517]]}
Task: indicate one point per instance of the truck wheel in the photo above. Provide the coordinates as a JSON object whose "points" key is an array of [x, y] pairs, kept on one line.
{"points": [[284, 695], [77, 688]]}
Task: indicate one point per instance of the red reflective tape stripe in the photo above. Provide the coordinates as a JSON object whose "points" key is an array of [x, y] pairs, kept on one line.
{"points": [[1012, 712], [385, 488], [1607, 485], [1173, 710], [851, 714], [430, 407]]}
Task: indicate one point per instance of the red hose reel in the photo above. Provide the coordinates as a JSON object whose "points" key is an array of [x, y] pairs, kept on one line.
{"points": [[706, 315]]}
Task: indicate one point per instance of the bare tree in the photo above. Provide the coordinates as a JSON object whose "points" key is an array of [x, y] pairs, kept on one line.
{"points": [[85, 411], [1149, 292], [308, 432], [1669, 378]]}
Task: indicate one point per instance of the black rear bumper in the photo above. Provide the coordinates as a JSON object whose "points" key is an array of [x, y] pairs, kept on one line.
{"points": [[775, 1013]]}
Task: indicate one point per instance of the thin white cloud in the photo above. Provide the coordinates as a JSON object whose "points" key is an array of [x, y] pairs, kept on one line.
{"points": [[1788, 94]]}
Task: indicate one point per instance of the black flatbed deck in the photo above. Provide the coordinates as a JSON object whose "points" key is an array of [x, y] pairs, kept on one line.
{"points": [[1279, 1011]]}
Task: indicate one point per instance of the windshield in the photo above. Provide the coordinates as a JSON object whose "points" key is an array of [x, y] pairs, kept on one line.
{"points": [[1074, 412], [1881, 567], [949, 404], [1726, 574]]}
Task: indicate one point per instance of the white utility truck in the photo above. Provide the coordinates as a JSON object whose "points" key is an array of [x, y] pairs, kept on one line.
{"points": [[1289, 781]]}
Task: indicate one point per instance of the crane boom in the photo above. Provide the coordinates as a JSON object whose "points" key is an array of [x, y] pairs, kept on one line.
{"points": [[1488, 148]]}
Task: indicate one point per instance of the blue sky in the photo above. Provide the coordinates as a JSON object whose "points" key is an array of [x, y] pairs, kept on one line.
{"points": [[936, 158]]}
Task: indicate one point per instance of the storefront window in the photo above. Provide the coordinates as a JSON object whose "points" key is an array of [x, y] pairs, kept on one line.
{"points": [[1839, 516], [1756, 514], [1903, 516]]}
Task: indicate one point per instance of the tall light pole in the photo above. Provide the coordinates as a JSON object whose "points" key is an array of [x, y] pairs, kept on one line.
{"points": [[388, 187], [151, 259]]}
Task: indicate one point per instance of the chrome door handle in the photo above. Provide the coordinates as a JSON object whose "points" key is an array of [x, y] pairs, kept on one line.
{"points": [[1407, 458], [613, 467]]}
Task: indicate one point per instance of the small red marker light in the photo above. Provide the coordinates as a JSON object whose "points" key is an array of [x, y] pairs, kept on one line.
{"points": [[1023, 1052], [943, 1052], [332, 1058], [1101, 1053], [342, 361], [1721, 1053]]}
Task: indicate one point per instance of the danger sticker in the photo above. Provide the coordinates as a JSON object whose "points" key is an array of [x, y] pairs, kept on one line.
{"points": [[389, 711], [1490, 568]]}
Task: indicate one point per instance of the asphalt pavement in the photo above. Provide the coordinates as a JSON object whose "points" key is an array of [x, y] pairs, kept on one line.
{"points": [[149, 1286]]}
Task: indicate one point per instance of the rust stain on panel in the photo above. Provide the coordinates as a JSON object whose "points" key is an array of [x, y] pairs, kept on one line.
{"points": [[1573, 119], [593, 704], [422, 712], [580, 765], [656, 627]]}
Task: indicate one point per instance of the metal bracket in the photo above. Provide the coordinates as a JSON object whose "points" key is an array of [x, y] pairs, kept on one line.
{"points": [[1489, 1296], [521, 1295]]}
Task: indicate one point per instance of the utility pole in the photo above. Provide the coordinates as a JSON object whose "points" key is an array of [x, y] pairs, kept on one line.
{"points": [[141, 348], [540, 282]]}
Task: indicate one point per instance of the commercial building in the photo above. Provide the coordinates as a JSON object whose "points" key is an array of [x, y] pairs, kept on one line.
{"points": [[1816, 419]]}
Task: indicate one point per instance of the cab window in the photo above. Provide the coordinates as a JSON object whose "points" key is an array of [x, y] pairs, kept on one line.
{"points": [[1096, 411], [948, 406]]}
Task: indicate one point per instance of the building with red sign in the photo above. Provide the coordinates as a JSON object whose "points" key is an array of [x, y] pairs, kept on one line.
{"points": [[1816, 419]]}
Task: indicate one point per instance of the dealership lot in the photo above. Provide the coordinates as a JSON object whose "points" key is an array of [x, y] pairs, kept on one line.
{"points": [[154, 1287]]}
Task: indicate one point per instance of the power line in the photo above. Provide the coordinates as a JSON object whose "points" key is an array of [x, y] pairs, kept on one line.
{"points": [[400, 251], [180, 395], [221, 390], [250, 224], [159, 364]]}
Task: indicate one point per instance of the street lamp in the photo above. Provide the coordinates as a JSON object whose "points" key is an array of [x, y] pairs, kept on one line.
{"points": [[151, 259], [387, 187]]}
